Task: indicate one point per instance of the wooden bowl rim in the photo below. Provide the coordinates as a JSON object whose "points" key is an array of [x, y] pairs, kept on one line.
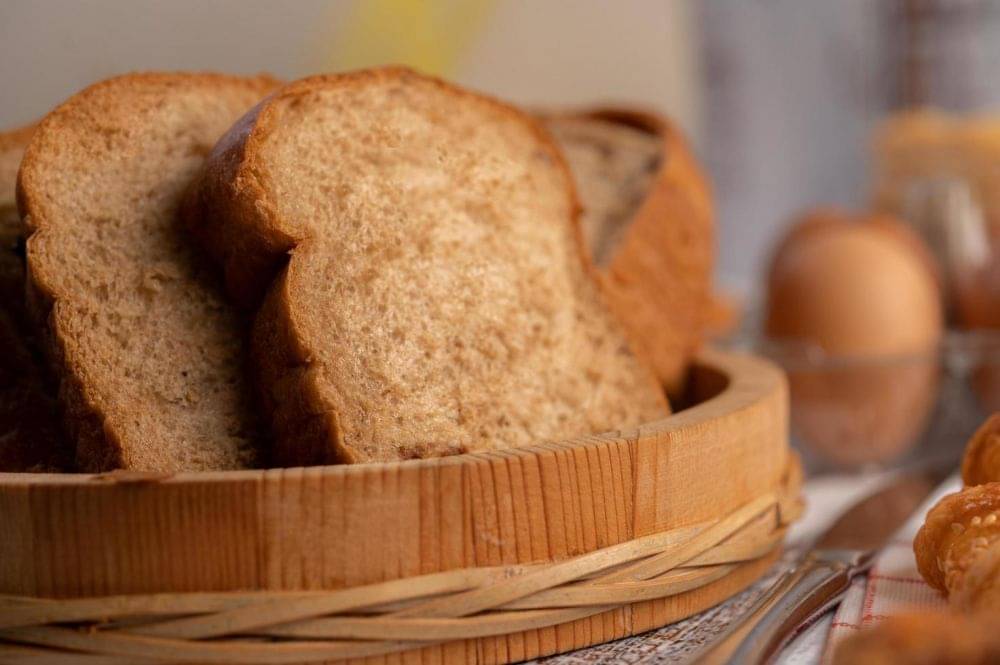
{"points": [[749, 380]]}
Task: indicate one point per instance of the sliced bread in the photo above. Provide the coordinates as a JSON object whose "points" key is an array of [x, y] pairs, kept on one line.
{"points": [[149, 354], [30, 437], [647, 214], [427, 292]]}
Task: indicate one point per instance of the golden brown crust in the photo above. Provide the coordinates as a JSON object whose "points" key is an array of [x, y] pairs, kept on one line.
{"points": [[228, 195], [981, 463], [958, 547], [978, 587], [930, 638], [957, 531], [284, 391], [659, 278]]}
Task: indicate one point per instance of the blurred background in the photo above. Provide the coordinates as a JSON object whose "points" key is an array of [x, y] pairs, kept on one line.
{"points": [[791, 106]]}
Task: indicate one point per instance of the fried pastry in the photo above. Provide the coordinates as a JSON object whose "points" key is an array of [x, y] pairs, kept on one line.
{"points": [[930, 638], [981, 463], [958, 547]]}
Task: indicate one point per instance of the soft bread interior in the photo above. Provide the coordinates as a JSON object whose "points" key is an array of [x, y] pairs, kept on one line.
{"points": [[613, 164], [436, 300], [150, 352]]}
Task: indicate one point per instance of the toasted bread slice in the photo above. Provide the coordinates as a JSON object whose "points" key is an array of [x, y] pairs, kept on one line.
{"points": [[647, 213], [30, 437], [149, 354], [437, 299]]}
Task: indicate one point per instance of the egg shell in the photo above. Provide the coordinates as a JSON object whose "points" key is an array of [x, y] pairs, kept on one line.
{"points": [[866, 291], [854, 289]]}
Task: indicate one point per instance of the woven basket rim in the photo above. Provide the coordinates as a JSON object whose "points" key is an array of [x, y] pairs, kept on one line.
{"points": [[400, 615]]}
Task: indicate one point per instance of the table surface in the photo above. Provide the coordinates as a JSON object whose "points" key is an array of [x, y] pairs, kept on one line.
{"points": [[826, 497]]}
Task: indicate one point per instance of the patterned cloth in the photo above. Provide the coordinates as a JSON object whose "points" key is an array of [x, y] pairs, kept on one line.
{"points": [[892, 586]]}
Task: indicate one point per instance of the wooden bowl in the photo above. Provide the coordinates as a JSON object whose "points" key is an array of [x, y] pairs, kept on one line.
{"points": [[336, 527]]}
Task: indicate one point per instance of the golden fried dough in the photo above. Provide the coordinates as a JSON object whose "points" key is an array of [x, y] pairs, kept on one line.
{"points": [[981, 463], [958, 547], [930, 638]]}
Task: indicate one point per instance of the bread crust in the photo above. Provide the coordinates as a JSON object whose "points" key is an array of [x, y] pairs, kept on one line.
{"points": [[958, 530], [285, 390], [659, 277], [238, 222], [98, 441]]}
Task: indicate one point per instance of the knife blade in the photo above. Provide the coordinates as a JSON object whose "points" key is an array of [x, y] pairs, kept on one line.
{"points": [[819, 581]]}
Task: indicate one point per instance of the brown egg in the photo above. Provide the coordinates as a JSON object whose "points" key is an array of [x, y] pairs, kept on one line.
{"points": [[863, 291], [821, 220]]}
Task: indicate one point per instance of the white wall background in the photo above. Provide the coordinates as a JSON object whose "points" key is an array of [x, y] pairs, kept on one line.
{"points": [[793, 90], [545, 52]]}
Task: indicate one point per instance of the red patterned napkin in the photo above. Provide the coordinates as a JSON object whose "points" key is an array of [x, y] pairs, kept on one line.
{"points": [[892, 587]]}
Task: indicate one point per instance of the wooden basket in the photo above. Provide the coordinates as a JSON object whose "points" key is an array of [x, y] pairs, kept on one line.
{"points": [[479, 558]]}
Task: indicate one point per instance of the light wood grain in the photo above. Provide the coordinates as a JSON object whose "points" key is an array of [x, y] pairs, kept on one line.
{"points": [[340, 527]]}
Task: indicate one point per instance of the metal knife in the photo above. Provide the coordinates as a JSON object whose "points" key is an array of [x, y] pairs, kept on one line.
{"points": [[818, 582]]}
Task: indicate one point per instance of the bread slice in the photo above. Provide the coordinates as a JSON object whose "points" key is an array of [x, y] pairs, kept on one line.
{"points": [[149, 354], [436, 299], [649, 224], [30, 437]]}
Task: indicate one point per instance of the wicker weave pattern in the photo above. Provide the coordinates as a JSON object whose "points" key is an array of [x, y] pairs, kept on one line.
{"points": [[295, 627]]}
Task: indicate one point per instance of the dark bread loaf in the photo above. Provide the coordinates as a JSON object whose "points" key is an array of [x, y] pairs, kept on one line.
{"points": [[149, 354], [30, 437], [436, 299], [12, 145], [648, 220]]}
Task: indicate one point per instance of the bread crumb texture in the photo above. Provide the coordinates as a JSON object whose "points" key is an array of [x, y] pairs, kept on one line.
{"points": [[149, 352], [437, 299]]}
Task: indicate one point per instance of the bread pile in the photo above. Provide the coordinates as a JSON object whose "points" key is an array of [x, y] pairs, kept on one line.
{"points": [[227, 272]]}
